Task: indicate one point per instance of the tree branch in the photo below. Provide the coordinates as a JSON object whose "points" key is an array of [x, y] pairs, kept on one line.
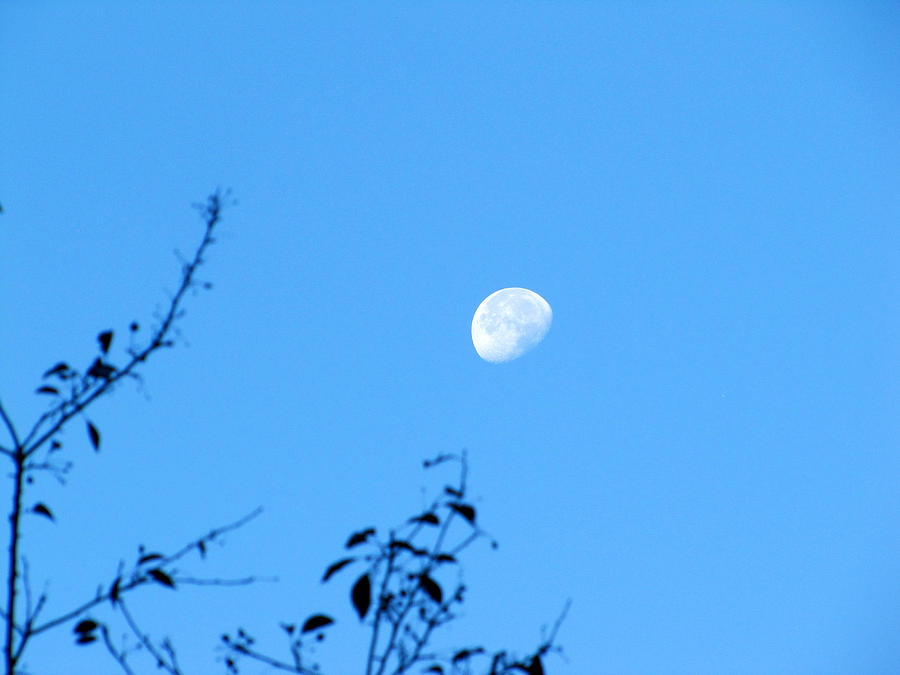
{"points": [[139, 576], [245, 650], [12, 433], [172, 667], [82, 397], [118, 656]]}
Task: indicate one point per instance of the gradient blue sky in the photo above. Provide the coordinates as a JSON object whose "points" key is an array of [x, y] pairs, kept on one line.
{"points": [[702, 454]]}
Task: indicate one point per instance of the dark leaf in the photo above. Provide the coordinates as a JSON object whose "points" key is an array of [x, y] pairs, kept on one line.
{"points": [[149, 557], [114, 591], [85, 639], [55, 445], [134, 327], [101, 370], [535, 667], [334, 567], [445, 557], [288, 628], [202, 548], [464, 654], [465, 510], [85, 626], [161, 577], [316, 621], [406, 546], [361, 595], [426, 519], [431, 587], [358, 538], [43, 510], [435, 669], [94, 435], [60, 369], [105, 339], [453, 491], [47, 390]]}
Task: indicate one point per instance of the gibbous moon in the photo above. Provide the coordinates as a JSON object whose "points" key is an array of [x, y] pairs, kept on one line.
{"points": [[509, 323]]}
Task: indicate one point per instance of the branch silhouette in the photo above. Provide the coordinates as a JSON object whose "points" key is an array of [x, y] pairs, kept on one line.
{"points": [[73, 393], [409, 603]]}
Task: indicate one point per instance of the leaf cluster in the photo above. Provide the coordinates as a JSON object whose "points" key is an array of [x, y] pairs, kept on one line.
{"points": [[401, 594]]}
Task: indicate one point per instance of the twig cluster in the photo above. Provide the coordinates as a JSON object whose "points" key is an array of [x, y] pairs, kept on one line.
{"points": [[72, 392], [400, 596]]}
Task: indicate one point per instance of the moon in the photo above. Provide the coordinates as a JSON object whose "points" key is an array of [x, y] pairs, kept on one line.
{"points": [[508, 323]]}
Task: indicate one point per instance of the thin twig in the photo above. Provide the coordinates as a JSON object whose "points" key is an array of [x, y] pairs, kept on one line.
{"points": [[139, 578], [118, 656], [12, 431], [244, 650], [148, 644]]}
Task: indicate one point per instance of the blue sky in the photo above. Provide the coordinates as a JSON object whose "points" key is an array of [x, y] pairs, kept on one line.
{"points": [[703, 452]]}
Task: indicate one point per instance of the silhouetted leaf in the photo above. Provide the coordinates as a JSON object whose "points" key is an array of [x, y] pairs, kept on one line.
{"points": [[161, 577], [134, 327], [148, 557], [358, 538], [453, 492], [85, 639], [288, 628], [94, 435], [101, 370], [406, 546], [445, 557], [464, 654], [431, 587], [465, 510], [61, 369], [114, 591], [55, 445], [334, 567], [535, 667], [42, 510], [85, 626], [426, 519], [201, 546], [361, 595], [105, 339], [435, 669], [316, 621], [47, 390]]}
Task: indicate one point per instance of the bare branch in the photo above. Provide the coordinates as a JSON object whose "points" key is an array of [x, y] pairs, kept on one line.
{"points": [[170, 666], [245, 581], [243, 649], [12, 433], [139, 576], [117, 655]]}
